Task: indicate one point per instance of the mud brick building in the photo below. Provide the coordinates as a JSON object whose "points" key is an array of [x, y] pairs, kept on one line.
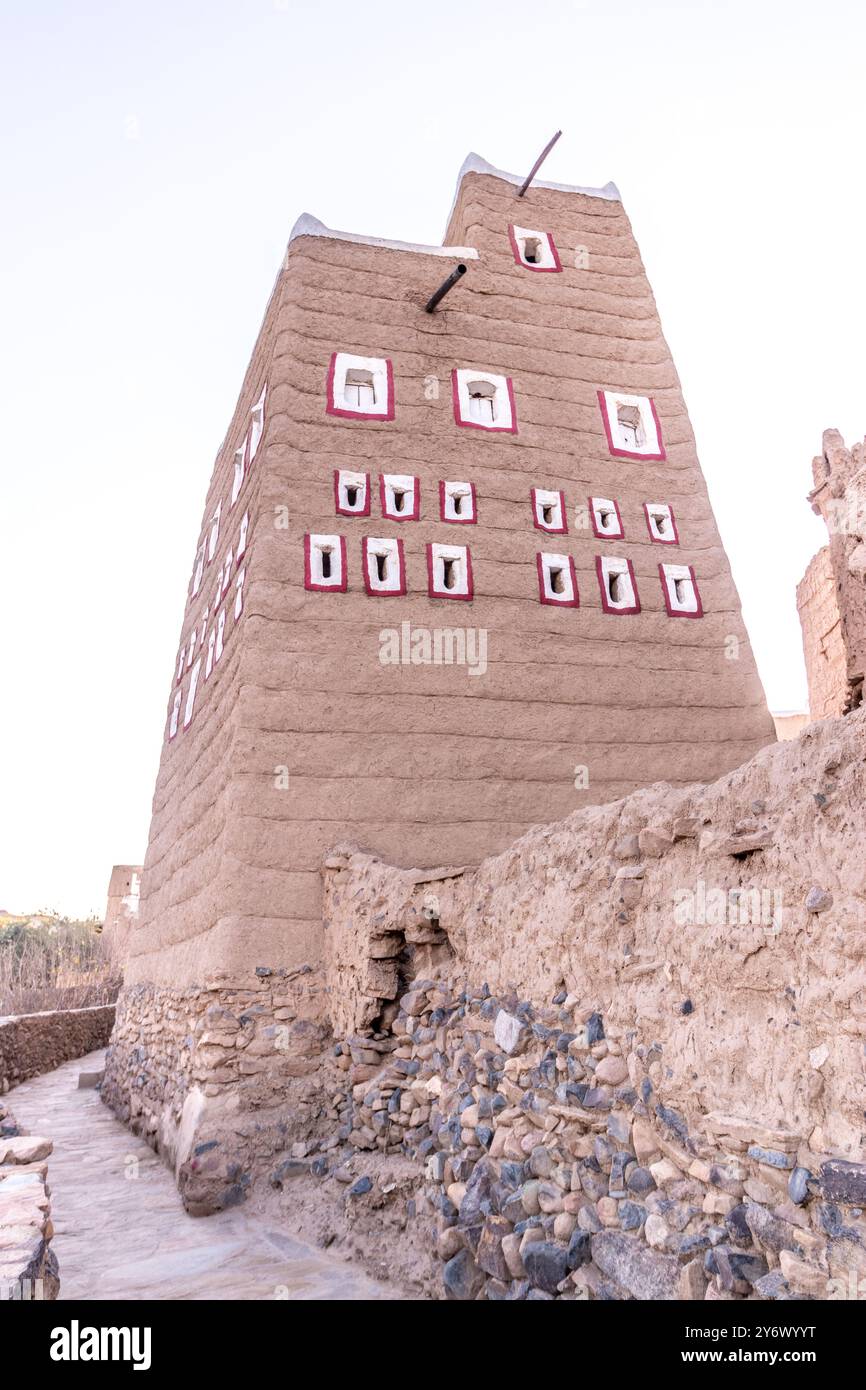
{"points": [[518, 465]]}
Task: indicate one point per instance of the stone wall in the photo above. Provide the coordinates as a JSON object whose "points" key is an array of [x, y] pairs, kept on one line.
{"points": [[823, 646], [555, 1165], [220, 1080], [28, 1267], [31, 1044]]}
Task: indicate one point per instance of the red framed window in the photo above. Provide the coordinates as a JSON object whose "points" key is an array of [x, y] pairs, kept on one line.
{"points": [[617, 585], [557, 580], [449, 571]]}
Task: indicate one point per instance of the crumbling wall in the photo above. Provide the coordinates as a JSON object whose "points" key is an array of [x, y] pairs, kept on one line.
{"points": [[28, 1266], [725, 922], [31, 1044], [831, 597]]}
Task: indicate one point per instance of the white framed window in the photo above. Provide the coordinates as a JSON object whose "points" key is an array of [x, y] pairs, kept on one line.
{"points": [[174, 717], [181, 657], [226, 571], [190, 649], [661, 523], [557, 581], [203, 627], [211, 653], [548, 511], [617, 584], [190, 694], [631, 425], [384, 565], [457, 503], [198, 570], [242, 538], [400, 496], [325, 562], [214, 536], [449, 571], [257, 425], [360, 388], [680, 589], [239, 594], [220, 634], [606, 520], [351, 493], [534, 250], [240, 467], [483, 400]]}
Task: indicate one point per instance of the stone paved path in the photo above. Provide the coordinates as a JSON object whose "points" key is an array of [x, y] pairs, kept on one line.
{"points": [[118, 1237]]}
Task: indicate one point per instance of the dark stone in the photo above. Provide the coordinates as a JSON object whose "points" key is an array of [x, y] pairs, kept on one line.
{"points": [[845, 1182], [769, 1230], [511, 1173], [621, 1161], [519, 1290], [632, 1216], [478, 1190], [578, 1252], [772, 1285], [407, 1066], [687, 1007], [462, 1277], [646, 1090], [773, 1158], [496, 1291], [694, 1244], [596, 1099], [833, 1223], [363, 1185], [484, 1135], [594, 1029], [205, 1148], [560, 998], [563, 1040], [263, 971], [674, 1121], [737, 1226], [798, 1185], [639, 1180], [513, 1209], [319, 1167], [619, 1128], [546, 1265]]}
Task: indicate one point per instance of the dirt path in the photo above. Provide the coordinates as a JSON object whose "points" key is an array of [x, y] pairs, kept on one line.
{"points": [[121, 1231]]}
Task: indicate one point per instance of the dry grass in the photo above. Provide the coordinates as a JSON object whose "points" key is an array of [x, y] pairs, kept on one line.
{"points": [[62, 965]]}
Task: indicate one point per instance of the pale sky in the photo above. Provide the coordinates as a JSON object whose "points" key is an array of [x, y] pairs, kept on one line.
{"points": [[154, 159]]}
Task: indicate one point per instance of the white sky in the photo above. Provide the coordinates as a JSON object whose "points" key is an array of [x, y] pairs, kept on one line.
{"points": [[154, 159]]}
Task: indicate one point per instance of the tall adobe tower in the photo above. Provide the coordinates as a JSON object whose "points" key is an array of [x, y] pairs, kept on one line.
{"points": [[511, 479]]}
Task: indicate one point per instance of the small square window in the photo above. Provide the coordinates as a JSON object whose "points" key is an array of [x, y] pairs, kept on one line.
{"points": [[534, 250], [257, 426], [449, 571], [557, 581], [680, 589], [240, 468], [190, 695], [548, 511], [174, 717], [242, 538], [325, 563], [483, 401], [360, 388], [617, 584], [351, 493], [400, 495], [457, 503], [181, 657], [631, 425], [606, 519], [384, 565], [199, 569], [660, 523], [239, 594]]}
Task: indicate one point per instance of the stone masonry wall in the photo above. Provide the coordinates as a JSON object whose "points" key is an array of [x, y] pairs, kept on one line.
{"points": [[554, 1165], [28, 1266], [31, 1044], [725, 922]]}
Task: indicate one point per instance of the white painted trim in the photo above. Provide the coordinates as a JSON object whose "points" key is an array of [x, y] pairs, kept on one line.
{"points": [[608, 505], [502, 416], [307, 225], [475, 164], [672, 574], [563, 564]]}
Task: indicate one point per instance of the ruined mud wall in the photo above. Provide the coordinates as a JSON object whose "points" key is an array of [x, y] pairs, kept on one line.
{"points": [[831, 597], [725, 922], [31, 1044]]}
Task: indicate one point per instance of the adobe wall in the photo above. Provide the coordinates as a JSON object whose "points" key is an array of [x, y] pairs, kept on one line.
{"points": [[836, 655], [302, 736], [823, 644], [122, 908]]}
